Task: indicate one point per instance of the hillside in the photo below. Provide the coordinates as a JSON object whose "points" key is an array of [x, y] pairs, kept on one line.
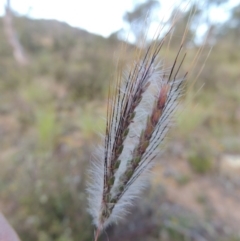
{"points": [[76, 58]]}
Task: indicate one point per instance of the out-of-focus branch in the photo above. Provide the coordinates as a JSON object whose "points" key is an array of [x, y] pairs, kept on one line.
{"points": [[18, 50], [6, 231]]}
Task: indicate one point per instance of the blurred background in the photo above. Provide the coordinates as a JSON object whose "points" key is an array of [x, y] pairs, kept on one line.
{"points": [[56, 61]]}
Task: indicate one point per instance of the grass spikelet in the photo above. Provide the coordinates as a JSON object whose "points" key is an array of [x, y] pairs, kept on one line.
{"points": [[138, 118]]}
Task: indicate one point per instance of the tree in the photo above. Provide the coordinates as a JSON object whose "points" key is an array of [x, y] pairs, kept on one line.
{"points": [[18, 51], [136, 18]]}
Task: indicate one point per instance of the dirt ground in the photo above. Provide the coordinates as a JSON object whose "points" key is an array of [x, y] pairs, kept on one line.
{"points": [[211, 196]]}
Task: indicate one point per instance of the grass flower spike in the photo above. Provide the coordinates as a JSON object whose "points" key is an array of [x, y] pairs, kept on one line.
{"points": [[138, 118]]}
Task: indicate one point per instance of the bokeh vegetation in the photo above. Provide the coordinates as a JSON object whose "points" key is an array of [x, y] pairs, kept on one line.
{"points": [[52, 109]]}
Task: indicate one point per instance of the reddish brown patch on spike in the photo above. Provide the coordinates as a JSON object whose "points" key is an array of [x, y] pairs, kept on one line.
{"points": [[159, 106], [163, 96]]}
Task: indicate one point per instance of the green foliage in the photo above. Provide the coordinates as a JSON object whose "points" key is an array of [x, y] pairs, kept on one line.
{"points": [[183, 180], [89, 121], [49, 195], [47, 127], [200, 162], [192, 117]]}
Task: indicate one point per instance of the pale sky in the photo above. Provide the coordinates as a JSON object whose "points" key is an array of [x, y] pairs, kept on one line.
{"points": [[97, 16]]}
